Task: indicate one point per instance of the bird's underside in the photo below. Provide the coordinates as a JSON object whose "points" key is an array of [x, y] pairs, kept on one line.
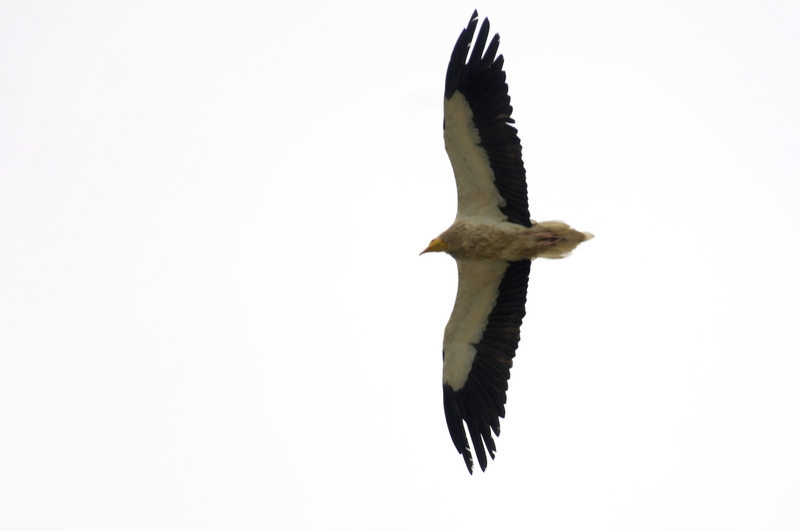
{"points": [[492, 240], [473, 239]]}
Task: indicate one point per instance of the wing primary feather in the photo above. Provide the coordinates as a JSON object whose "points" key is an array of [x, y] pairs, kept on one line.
{"points": [[455, 424], [477, 58], [491, 52], [475, 435], [459, 56]]}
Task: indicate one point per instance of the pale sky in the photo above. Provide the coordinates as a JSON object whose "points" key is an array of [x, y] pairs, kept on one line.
{"points": [[213, 314]]}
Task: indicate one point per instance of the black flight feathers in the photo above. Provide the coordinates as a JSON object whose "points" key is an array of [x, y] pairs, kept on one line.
{"points": [[481, 402], [483, 83]]}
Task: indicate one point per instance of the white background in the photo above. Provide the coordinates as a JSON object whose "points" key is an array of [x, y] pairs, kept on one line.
{"points": [[213, 314]]}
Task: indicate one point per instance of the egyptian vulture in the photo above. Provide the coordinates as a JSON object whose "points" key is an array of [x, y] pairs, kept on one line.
{"points": [[492, 239]]}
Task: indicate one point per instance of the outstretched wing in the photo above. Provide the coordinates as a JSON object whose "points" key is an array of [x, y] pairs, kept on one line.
{"points": [[483, 146], [480, 341]]}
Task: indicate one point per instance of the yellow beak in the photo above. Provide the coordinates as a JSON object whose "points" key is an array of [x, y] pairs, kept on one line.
{"points": [[436, 246]]}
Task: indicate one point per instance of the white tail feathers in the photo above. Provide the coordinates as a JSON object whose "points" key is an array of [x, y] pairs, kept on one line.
{"points": [[560, 241]]}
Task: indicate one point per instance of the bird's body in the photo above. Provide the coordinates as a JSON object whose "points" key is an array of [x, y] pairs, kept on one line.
{"points": [[493, 241], [477, 239]]}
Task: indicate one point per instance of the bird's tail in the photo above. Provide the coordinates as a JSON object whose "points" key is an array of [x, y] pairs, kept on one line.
{"points": [[558, 239]]}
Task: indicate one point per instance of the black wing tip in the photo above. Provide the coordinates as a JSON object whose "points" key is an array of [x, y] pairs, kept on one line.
{"points": [[477, 59], [454, 415], [457, 414]]}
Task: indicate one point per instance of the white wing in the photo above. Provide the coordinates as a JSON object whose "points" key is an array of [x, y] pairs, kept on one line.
{"points": [[477, 194], [480, 342], [483, 146], [478, 288]]}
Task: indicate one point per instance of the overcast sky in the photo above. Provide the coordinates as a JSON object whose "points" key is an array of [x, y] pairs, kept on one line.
{"points": [[213, 314]]}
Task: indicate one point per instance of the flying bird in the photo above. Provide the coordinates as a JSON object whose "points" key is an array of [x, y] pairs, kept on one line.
{"points": [[492, 239]]}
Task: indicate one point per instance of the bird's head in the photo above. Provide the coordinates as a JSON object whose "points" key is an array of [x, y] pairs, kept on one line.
{"points": [[437, 245]]}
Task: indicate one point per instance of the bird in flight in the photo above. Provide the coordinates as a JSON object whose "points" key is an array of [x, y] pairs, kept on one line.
{"points": [[492, 239]]}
